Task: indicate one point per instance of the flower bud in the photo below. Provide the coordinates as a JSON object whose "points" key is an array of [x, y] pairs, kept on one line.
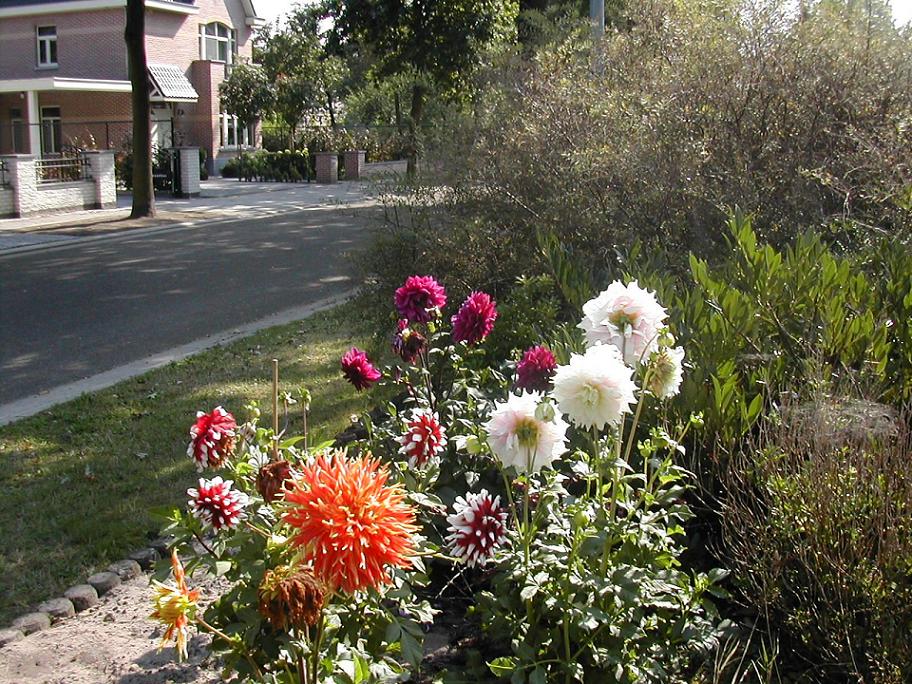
{"points": [[545, 412]]}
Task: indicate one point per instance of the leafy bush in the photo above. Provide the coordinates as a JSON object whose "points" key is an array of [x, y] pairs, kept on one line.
{"points": [[817, 533], [688, 109], [286, 166]]}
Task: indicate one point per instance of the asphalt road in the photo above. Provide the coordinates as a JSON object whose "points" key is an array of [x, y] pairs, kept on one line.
{"points": [[73, 311]]}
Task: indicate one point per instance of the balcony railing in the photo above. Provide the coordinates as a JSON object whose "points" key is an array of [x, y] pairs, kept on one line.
{"points": [[62, 169]]}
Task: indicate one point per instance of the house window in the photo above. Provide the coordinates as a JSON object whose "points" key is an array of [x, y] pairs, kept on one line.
{"points": [[232, 134], [218, 43], [17, 130], [47, 45], [50, 130]]}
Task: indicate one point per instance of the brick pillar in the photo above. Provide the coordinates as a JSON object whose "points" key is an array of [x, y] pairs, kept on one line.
{"points": [[189, 162], [353, 163], [101, 171], [24, 182], [327, 167]]}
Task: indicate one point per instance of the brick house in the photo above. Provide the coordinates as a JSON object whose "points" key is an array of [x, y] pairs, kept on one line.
{"points": [[63, 74]]}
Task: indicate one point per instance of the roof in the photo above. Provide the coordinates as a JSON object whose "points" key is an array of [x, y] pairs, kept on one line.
{"points": [[169, 84]]}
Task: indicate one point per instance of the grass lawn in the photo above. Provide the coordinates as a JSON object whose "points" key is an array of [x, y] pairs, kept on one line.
{"points": [[77, 481]]}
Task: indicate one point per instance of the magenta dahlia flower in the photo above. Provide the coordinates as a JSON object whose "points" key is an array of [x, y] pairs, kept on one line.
{"points": [[477, 527], [420, 299], [217, 504], [535, 369], [475, 319], [407, 342], [212, 438], [358, 369], [424, 438]]}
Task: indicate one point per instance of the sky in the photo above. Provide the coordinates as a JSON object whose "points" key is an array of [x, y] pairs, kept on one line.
{"points": [[271, 9]]}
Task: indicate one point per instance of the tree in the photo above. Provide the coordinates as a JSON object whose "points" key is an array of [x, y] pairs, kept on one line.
{"points": [[134, 37], [438, 42], [247, 94], [307, 78]]}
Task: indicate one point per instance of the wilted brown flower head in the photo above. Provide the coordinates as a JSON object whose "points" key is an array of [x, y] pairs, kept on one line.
{"points": [[291, 597], [271, 479]]}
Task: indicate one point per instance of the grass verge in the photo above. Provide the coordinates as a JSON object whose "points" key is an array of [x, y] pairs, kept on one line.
{"points": [[77, 481]]}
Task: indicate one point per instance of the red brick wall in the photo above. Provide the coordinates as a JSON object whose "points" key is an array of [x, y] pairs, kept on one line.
{"points": [[89, 45]]}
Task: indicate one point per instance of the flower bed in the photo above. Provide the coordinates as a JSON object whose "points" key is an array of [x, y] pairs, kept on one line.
{"points": [[547, 484]]}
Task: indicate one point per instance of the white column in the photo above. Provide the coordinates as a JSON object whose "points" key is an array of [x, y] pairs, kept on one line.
{"points": [[34, 122]]}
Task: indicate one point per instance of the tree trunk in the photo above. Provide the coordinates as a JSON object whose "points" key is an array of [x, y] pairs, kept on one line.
{"points": [[417, 111], [331, 108], [134, 36], [397, 107]]}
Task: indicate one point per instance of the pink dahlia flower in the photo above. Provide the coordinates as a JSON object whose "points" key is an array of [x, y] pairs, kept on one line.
{"points": [[477, 528], [408, 343], [217, 504], [424, 438], [475, 319], [420, 299], [535, 369], [212, 438], [358, 369]]}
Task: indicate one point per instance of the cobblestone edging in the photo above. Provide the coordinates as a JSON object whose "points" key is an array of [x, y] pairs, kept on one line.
{"points": [[83, 596]]}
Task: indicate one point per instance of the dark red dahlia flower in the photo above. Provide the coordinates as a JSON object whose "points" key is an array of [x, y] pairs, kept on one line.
{"points": [[475, 319], [535, 370], [358, 369], [420, 299], [424, 438], [477, 527], [216, 503], [408, 343], [212, 438]]}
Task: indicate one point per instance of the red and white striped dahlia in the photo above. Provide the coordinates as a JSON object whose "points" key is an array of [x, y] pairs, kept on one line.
{"points": [[217, 504], [477, 527], [424, 438], [212, 438]]}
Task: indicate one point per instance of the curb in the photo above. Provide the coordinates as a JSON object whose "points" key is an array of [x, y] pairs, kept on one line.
{"points": [[81, 597]]}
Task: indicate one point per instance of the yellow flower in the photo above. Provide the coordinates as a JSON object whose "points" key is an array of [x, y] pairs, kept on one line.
{"points": [[175, 606]]}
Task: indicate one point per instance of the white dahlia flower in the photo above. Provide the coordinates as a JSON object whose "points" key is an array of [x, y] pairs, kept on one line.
{"points": [[626, 316], [520, 438], [666, 372], [595, 388]]}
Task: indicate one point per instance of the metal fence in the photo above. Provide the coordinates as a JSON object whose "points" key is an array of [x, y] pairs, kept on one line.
{"points": [[57, 135], [4, 174], [62, 169]]}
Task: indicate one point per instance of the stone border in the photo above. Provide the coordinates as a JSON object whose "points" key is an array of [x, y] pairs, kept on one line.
{"points": [[83, 596]]}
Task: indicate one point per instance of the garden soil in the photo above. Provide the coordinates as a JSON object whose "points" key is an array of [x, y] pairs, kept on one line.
{"points": [[114, 641]]}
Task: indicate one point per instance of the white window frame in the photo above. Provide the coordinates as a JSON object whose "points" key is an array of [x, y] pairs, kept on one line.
{"points": [[224, 39], [49, 45], [228, 127], [51, 130], [17, 130]]}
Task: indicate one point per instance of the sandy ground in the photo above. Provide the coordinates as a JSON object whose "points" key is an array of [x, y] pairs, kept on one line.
{"points": [[114, 641]]}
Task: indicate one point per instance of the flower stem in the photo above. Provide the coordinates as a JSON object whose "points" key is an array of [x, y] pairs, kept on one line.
{"points": [[204, 544], [318, 638], [235, 640], [258, 530], [275, 409]]}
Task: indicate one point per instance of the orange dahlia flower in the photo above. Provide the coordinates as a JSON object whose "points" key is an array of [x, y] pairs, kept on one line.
{"points": [[350, 523], [175, 606]]}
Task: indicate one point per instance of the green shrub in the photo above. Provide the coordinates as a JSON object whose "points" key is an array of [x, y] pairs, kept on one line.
{"points": [[816, 531], [692, 108], [286, 166]]}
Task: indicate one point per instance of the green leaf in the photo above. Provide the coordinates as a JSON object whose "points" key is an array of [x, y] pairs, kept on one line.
{"points": [[502, 667], [539, 676]]}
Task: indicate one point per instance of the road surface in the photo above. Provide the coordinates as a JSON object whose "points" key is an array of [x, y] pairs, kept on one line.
{"points": [[79, 309]]}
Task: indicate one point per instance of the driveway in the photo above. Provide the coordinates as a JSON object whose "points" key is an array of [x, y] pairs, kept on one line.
{"points": [[81, 308]]}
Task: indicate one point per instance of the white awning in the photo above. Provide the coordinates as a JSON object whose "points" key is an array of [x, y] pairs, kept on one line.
{"points": [[170, 85]]}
